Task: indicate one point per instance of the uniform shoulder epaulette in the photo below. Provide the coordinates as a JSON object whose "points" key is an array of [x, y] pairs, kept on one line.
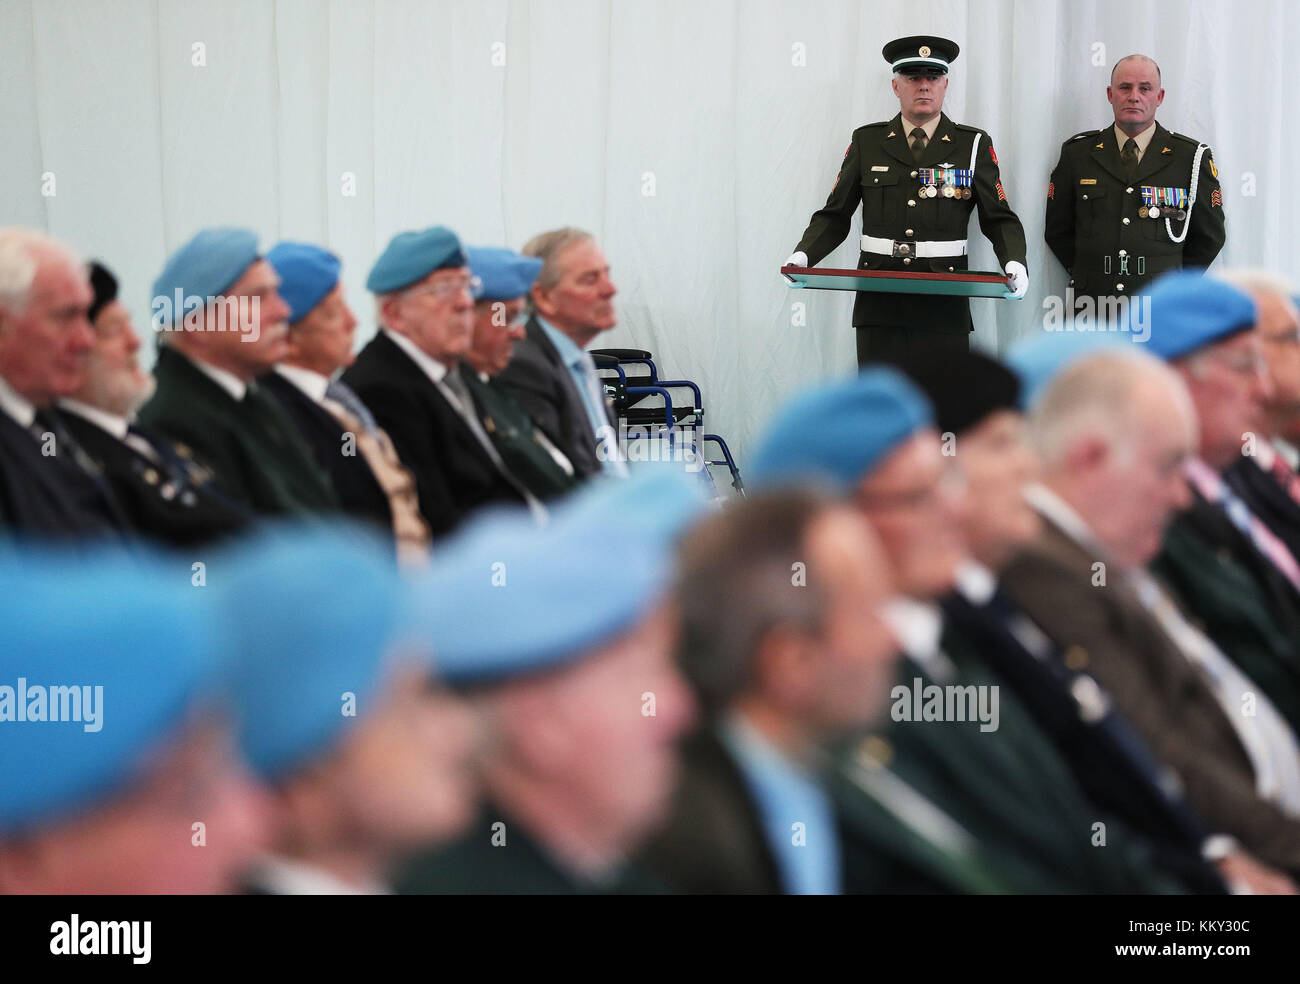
{"points": [[1182, 136], [967, 127], [868, 126], [1083, 133]]}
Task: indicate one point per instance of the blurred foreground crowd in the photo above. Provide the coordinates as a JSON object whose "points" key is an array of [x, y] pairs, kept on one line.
{"points": [[979, 627]]}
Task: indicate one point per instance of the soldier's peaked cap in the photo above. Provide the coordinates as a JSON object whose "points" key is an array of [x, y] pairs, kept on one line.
{"points": [[920, 53]]}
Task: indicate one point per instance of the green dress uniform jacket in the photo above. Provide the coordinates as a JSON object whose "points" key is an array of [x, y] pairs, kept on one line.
{"points": [[1094, 225], [880, 172], [1012, 791], [520, 442], [252, 446], [475, 865]]}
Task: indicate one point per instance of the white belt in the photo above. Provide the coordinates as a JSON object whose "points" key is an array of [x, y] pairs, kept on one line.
{"points": [[946, 247]]}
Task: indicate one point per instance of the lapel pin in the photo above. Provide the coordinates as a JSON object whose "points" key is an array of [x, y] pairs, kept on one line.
{"points": [[1167, 150]]}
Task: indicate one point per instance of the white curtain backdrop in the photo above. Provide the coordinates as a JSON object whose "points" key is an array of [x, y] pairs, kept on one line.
{"points": [[693, 137]]}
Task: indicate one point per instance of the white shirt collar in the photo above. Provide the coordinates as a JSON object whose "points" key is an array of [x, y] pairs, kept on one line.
{"points": [[1290, 454], [434, 369], [917, 625], [288, 877], [228, 381], [110, 422], [310, 382], [976, 581], [18, 407]]}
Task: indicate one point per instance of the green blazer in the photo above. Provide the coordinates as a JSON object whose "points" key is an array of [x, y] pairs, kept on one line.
{"points": [[519, 441], [252, 446], [1011, 791]]}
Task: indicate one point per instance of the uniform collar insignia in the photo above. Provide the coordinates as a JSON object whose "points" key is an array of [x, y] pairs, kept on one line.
{"points": [[1167, 150], [891, 133], [946, 139]]}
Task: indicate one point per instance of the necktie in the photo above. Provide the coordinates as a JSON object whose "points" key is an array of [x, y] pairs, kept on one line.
{"points": [[1129, 156], [343, 394], [463, 403], [919, 141], [612, 462], [1286, 477]]}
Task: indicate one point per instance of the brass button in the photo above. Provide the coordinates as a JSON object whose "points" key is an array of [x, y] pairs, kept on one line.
{"points": [[950, 269], [1128, 191], [1119, 286], [910, 203], [1123, 252], [875, 752], [908, 233], [913, 174], [1085, 198], [875, 181], [907, 261], [1076, 658], [1126, 221]]}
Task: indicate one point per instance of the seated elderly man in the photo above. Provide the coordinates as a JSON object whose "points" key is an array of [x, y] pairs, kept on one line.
{"points": [[987, 803], [1114, 431], [976, 401], [221, 324], [498, 326], [583, 765], [551, 373], [784, 645], [363, 755], [1263, 477], [48, 486], [1223, 563], [407, 376], [120, 777], [167, 494], [349, 445]]}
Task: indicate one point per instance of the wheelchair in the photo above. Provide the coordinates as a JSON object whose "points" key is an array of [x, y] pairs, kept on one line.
{"points": [[644, 404]]}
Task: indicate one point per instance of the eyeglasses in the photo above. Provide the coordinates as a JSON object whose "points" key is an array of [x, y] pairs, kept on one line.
{"points": [[449, 288]]}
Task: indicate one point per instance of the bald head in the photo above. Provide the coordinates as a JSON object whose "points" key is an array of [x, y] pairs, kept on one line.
{"points": [[1144, 60], [1135, 93], [1113, 432]]}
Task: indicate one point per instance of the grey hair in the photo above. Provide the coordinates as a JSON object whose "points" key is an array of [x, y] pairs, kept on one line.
{"points": [[1134, 57], [21, 253], [1258, 282], [735, 586], [1098, 394], [547, 247]]}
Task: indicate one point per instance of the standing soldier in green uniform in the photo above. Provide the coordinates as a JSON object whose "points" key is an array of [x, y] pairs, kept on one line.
{"points": [[1132, 201], [918, 176]]}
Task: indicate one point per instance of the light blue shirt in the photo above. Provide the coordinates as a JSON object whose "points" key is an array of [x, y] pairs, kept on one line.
{"points": [[808, 856], [583, 371]]}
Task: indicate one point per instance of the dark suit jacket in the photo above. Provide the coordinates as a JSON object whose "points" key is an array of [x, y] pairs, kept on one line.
{"points": [[538, 378], [1238, 597], [354, 483], [453, 474], [1267, 499], [1155, 686], [49, 495], [1112, 762], [170, 500], [517, 438], [713, 842], [252, 446], [517, 865]]}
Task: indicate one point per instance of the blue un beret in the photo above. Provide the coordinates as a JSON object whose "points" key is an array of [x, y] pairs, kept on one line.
{"points": [[136, 628], [313, 614], [505, 273], [204, 267], [1039, 358], [504, 597], [1189, 311], [837, 432], [307, 274], [412, 256]]}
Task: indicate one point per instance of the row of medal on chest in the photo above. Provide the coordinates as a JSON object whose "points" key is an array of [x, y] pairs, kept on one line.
{"points": [[955, 183]]}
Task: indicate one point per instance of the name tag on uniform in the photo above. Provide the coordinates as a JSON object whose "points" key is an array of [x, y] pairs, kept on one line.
{"points": [[880, 167], [1087, 181]]}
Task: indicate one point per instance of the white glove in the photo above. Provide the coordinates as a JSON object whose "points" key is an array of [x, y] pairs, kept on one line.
{"points": [[1019, 279], [799, 258]]}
